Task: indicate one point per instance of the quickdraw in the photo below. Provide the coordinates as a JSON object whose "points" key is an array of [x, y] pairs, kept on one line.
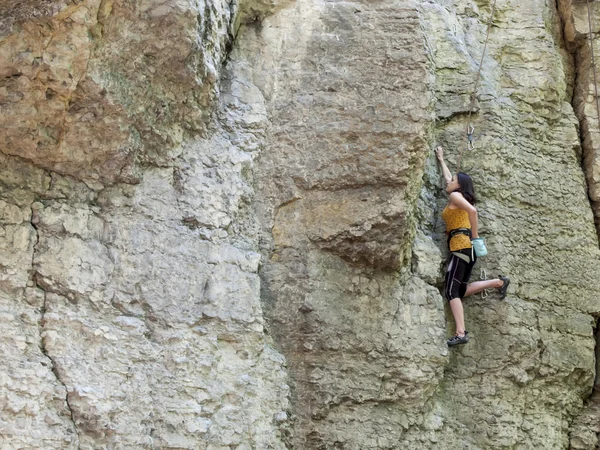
{"points": [[483, 277], [470, 127], [470, 130]]}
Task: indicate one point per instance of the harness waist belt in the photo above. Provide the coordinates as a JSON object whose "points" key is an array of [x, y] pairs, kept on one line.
{"points": [[466, 231]]}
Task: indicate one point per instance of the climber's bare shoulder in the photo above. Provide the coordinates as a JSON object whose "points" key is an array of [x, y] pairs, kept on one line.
{"points": [[457, 200]]}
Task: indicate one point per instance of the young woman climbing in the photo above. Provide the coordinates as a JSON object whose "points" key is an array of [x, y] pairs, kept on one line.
{"points": [[461, 220]]}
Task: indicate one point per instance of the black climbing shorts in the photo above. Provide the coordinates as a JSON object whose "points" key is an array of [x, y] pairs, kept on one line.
{"points": [[458, 274]]}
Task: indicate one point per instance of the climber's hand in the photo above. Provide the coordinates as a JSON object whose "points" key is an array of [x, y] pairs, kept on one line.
{"points": [[439, 152]]}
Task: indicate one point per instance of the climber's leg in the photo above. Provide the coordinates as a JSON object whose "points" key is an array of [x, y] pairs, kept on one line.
{"points": [[478, 286], [454, 277], [501, 283], [455, 283], [462, 335], [459, 315]]}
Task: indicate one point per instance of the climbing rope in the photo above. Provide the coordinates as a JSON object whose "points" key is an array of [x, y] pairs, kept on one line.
{"points": [[470, 127], [589, 11]]}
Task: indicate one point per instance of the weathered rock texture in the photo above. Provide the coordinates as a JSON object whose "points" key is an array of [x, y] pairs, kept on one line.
{"points": [[577, 18], [523, 381], [205, 204], [339, 187], [131, 314], [90, 87], [360, 324]]}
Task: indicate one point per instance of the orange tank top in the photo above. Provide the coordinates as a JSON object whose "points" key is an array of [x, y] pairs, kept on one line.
{"points": [[457, 218]]}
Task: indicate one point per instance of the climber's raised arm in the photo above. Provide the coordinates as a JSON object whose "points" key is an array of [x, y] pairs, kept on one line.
{"points": [[439, 152]]}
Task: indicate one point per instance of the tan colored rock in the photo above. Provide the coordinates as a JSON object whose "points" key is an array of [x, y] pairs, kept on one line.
{"points": [[363, 226], [91, 88], [575, 17], [339, 183]]}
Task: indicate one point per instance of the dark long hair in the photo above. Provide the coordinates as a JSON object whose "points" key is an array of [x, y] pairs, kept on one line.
{"points": [[465, 187]]}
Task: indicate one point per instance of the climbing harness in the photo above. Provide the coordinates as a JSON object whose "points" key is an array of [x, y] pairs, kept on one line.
{"points": [[483, 277], [470, 127], [454, 232], [589, 11]]}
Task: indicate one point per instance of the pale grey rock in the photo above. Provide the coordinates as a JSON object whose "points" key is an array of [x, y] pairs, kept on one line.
{"points": [[427, 258], [31, 399]]}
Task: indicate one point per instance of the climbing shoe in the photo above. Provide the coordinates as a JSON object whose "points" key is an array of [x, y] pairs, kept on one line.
{"points": [[502, 290], [457, 340]]}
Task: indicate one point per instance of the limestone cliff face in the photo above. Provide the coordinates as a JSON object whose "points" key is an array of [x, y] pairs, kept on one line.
{"points": [[351, 114], [130, 313], [220, 225], [577, 18], [364, 338]]}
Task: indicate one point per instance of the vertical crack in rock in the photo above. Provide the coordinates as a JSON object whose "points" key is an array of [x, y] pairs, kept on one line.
{"points": [[54, 367], [597, 352], [584, 430], [576, 39], [34, 224], [232, 30]]}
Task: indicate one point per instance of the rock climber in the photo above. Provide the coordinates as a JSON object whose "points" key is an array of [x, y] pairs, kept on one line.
{"points": [[461, 220]]}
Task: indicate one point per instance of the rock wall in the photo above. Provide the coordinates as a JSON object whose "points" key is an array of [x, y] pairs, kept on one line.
{"points": [[92, 87], [220, 225], [355, 305], [522, 383], [131, 313], [350, 111], [577, 18]]}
